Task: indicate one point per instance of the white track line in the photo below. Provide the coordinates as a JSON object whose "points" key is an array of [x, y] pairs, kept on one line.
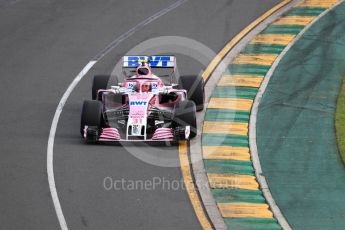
{"points": [[50, 168], [50, 147]]}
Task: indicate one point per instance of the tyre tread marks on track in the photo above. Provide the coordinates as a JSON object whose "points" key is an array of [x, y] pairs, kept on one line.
{"points": [[225, 142]]}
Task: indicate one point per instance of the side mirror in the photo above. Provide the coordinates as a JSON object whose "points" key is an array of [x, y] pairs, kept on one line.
{"points": [[165, 98], [174, 85], [120, 84]]}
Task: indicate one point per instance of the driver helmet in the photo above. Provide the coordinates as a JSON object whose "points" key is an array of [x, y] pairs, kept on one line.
{"points": [[146, 87]]}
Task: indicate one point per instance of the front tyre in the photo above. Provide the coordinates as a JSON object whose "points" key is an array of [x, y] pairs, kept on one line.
{"points": [[195, 89], [185, 115], [91, 115]]}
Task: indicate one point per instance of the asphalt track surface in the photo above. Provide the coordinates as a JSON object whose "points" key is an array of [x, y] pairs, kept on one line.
{"points": [[43, 46]]}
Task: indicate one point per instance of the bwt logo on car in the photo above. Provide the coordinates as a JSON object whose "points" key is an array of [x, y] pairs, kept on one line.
{"points": [[138, 103], [156, 61]]}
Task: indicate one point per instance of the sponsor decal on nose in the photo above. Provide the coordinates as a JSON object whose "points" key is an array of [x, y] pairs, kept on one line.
{"points": [[138, 103]]}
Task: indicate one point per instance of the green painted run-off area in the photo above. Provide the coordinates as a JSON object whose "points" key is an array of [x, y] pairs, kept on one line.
{"points": [[295, 128]]}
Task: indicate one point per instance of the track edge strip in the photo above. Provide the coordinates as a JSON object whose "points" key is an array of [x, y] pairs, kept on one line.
{"points": [[198, 170]]}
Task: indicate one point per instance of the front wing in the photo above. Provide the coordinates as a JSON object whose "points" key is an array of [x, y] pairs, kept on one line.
{"points": [[94, 134]]}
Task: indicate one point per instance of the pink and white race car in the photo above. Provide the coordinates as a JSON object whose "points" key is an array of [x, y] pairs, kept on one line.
{"points": [[144, 107]]}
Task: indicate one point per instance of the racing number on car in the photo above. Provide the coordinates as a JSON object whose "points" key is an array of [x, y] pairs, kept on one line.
{"points": [[137, 121]]}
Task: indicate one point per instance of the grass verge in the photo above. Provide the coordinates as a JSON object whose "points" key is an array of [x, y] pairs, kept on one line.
{"points": [[340, 121]]}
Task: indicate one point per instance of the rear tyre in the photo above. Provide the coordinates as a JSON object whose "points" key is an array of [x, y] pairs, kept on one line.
{"points": [[91, 115], [99, 82], [195, 88], [185, 115]]}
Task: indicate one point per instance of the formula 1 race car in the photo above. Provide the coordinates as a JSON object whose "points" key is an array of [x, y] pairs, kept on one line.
{"points": [[143, 107]]}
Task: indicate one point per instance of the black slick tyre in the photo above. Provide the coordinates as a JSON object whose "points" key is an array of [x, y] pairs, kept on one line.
{"points": [[91, 115], [195, 89], [99, 82], [185, 115]]}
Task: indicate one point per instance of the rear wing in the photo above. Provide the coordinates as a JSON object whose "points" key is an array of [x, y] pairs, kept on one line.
{"points": [[152, 61]]}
